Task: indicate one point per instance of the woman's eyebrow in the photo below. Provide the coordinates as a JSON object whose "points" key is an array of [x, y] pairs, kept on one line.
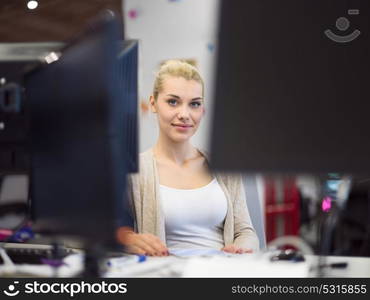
{"points": [[175, 96]]}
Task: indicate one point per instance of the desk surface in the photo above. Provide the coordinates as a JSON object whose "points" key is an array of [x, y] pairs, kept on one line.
{"points": [[240, 265]]}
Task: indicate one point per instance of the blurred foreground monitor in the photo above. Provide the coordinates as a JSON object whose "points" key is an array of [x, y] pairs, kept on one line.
{"points": [[69, 115], [288, 98], [292, 93]]}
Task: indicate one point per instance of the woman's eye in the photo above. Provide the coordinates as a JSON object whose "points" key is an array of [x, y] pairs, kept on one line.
{"points": [[195, 104], [172, 102]]}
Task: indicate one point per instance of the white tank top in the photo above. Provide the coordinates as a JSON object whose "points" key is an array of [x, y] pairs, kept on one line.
{"points": [[194, 217]]}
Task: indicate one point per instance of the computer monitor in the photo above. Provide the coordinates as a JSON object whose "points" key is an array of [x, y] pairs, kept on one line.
{"points": [[77, 120], [15, 60], [291, 90]]}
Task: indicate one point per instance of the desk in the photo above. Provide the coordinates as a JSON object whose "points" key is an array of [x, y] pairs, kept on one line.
{"points": [[237, 266], [241, 266]]}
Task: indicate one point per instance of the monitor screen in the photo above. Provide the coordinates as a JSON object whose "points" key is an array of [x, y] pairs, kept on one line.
{"points": [[292, 97], [78, 151], [291, 90], [15, 60]]}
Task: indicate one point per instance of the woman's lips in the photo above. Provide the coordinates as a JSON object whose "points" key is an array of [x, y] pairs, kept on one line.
{"points": [[182, 127]]}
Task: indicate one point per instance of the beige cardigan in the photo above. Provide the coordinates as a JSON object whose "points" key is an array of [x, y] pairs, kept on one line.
{"points": [[148, 215]]}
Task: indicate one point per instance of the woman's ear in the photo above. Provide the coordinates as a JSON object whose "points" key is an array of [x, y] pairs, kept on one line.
{"points": [[152, 104]]}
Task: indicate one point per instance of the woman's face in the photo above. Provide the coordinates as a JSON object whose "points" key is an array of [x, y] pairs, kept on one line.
{"points": [[179, 107]]}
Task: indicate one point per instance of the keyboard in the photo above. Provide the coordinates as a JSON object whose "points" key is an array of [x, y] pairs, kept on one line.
{"points": [[34, 254]]}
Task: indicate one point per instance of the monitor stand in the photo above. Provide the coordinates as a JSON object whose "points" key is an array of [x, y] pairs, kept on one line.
{"points": [[92, 261]]}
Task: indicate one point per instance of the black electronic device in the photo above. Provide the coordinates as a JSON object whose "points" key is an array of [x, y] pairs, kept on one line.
{"points": [[288, 255], [351, 235], [35, 254], [291, 96], [77, 139], [15, 60], [291, 89], [79, 104]]}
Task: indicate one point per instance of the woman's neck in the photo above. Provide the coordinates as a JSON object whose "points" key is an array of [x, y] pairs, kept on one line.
{"points": [[178, 153]]}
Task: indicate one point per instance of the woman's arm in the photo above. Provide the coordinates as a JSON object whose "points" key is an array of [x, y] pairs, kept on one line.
{"points": [[136, 243], [141, 243]]}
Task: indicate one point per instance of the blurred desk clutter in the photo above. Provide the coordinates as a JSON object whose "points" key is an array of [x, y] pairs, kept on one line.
{"points": [[184, 263], [257, 265], [39, 260]]}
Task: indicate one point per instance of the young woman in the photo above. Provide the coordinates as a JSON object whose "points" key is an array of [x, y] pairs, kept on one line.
{"points": [[177, 202]]}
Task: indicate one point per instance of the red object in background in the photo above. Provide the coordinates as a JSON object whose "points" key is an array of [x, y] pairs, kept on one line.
{"points": [[288, 208], [5, 233]]}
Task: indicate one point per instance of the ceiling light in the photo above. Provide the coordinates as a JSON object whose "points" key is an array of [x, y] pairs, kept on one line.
{"points": [[32, 4]]}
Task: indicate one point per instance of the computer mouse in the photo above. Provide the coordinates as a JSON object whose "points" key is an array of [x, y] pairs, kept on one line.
{"points": [[288, 255]]}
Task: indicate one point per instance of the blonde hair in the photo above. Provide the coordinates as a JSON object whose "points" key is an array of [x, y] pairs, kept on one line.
{"points": [[176, 68]]}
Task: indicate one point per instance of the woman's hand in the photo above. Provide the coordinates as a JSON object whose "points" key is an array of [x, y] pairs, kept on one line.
{"points": [[141, 243], [235, 249]]}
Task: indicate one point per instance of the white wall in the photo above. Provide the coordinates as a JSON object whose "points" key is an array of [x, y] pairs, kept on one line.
{"points": [[166, 29]]}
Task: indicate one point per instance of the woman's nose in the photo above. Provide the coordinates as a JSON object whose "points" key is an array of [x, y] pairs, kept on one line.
{"points": [[183, 113]]}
